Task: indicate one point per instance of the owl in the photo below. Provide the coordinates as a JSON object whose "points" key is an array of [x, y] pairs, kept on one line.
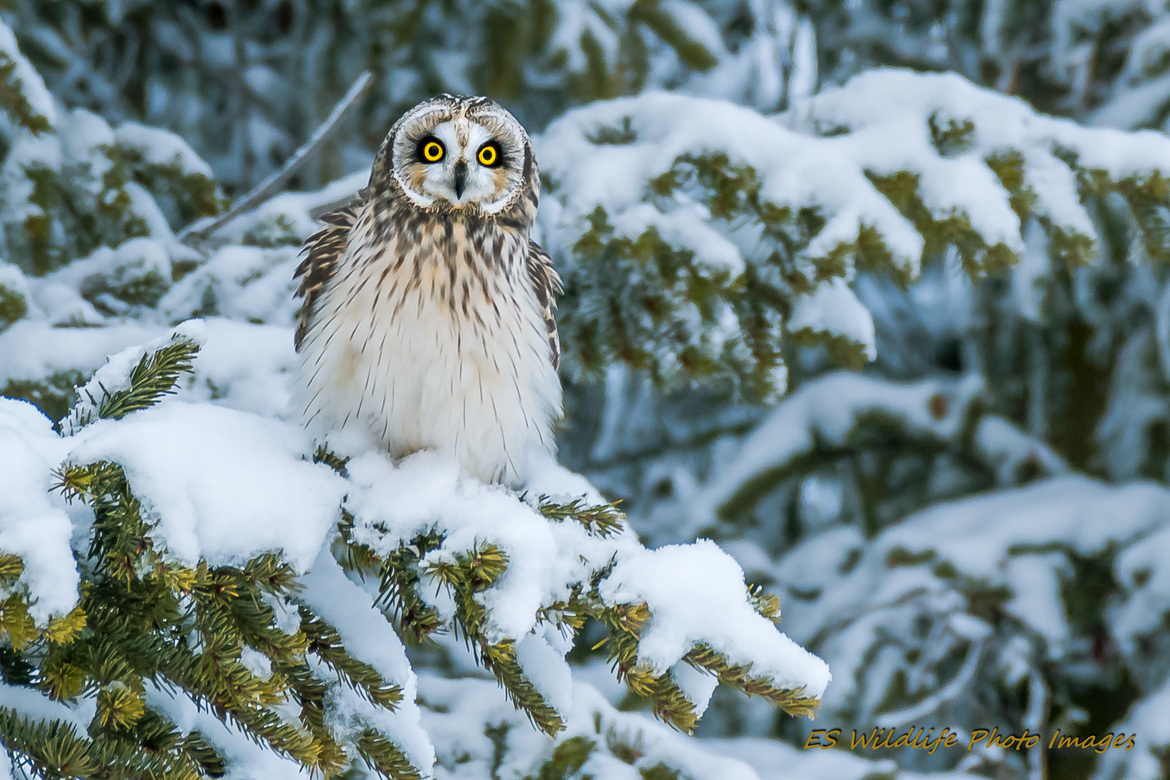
{"points": [[428, 312]]}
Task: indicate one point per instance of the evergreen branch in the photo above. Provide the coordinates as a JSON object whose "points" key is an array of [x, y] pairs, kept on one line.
{"points": [[625, 622], [384, 757], [15, 102], [400, 579], [47, 748], [201, 230], [500, 660], [603, 520], [11, 567], [331, 459], [153, 377], [467, 574], [17, 627], [186, 629], [325, 643], [740, 676], [764, 603], [567, 758]]}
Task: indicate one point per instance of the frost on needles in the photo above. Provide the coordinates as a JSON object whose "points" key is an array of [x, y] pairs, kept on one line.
{"points": [[203, 586]]}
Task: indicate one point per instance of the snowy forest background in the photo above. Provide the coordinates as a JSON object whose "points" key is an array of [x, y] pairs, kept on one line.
{"points": [[872, 294]]}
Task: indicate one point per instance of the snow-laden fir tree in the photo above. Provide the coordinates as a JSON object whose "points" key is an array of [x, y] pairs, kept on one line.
{"points": [[959, 530]]}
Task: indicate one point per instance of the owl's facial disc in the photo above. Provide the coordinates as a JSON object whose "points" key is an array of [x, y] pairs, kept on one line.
{"points": [[462, 161]]}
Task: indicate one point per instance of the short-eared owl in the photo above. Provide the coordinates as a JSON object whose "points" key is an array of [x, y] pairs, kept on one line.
{"points": [[427, 317]]}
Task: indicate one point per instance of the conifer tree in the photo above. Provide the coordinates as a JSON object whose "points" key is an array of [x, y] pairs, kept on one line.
{"points": [[953, 522]]}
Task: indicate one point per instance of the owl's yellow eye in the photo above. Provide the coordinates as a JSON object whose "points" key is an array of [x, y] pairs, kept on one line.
{"points": [[431, 150], [489, 155]]}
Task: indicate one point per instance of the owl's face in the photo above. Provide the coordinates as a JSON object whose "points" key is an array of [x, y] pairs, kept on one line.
{"points": [[458, 153]]}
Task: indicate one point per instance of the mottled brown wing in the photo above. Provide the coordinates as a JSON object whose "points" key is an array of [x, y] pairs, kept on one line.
{"points": [[323, 249], [547, 284]]}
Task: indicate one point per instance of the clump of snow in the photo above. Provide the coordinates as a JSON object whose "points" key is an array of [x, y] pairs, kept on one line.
{"points": [[795, 171], [832, 308], [243, 366], [114, 376], [161, 147], [32, 85], [222, 485], [369, 638], [696, 595], [33, 522]]}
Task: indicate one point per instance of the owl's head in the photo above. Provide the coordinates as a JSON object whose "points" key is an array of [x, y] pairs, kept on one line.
{"points": [[453, 153]]}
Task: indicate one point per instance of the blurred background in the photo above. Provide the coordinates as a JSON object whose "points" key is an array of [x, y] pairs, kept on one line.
{"points": [[954, 478]]}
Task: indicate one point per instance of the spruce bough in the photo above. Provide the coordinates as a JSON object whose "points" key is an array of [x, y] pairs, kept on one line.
{"points": [[147, 628]]}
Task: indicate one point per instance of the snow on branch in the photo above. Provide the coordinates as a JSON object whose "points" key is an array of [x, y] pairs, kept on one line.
{"points": [[701, 229], [517, 580], [23, 95], [998, 579], [220, 562]]}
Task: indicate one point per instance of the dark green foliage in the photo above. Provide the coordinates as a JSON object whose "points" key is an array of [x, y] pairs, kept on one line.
{"points": [[144, 620], [600, 520], [13, 306], [153, 377], [567, 759], [13, 99], [507, 49], [468, 574], [53, 395]]}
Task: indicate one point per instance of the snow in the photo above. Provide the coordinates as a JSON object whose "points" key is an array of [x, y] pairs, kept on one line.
{"points": [[795, 171], [369, 638], [247, 284], [1079, 514], [246, 760], [696, 593], [37, 707], [698, 686], [833, 309], [893, 105], [32, 86], [690, 608], [458, 712], [32, 350], [1020, 543], [826, 411], [1149, 722], [546, 667], [33, 521], [391, 505], [160, 147], [114, 376], [222, 485]]}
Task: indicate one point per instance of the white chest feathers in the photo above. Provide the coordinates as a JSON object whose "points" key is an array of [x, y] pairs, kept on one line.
{"points": [[432, 345]]}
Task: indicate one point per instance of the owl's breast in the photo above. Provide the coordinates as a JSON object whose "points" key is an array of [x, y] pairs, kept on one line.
{"points": [[434, 339]]}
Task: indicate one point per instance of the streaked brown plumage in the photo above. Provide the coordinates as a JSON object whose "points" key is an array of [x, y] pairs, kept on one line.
{"points": [[428, 316]]}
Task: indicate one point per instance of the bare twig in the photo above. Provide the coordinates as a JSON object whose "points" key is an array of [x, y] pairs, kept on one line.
{"points": [[200, 230]]}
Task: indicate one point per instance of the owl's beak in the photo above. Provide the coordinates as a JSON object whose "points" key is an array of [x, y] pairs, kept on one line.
{"points": [[460, 178]]}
